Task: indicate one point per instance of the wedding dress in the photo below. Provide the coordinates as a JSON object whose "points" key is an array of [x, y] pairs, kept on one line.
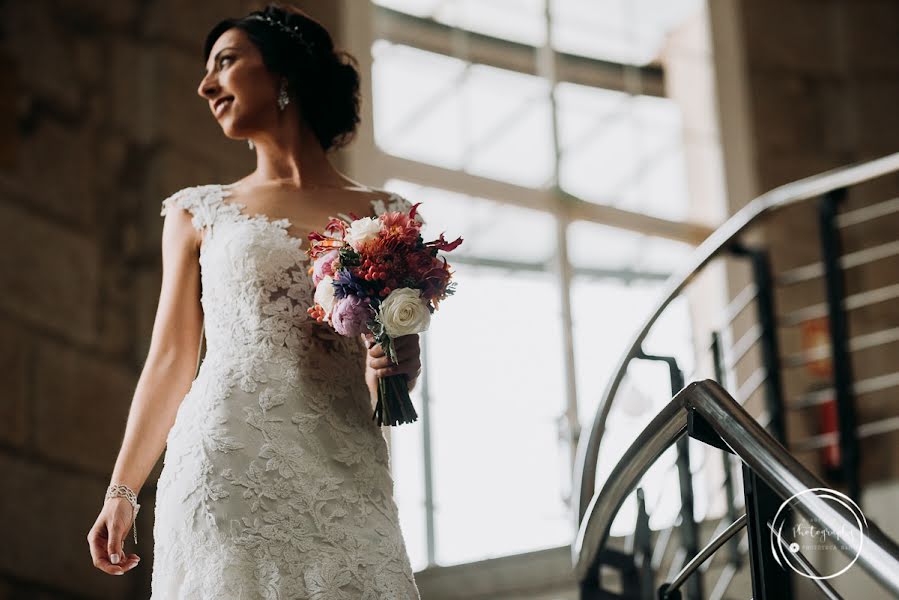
{"points": [[275, 483]]}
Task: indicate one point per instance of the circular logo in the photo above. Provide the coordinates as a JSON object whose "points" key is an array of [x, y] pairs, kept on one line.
{"points": [[793, 533]]}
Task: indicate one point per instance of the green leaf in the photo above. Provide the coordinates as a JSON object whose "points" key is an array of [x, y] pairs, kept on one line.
{"points": [[349, 257]]}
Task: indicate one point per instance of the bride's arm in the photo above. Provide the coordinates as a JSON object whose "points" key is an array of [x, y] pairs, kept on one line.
{"points": [[172, 357]]}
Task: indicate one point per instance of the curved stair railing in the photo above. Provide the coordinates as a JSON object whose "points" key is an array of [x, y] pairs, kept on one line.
{"points": [[705, 411], [642, 560]]}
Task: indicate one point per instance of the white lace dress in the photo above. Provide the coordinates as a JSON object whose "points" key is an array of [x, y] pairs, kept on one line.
{"points": [[275, 482]]}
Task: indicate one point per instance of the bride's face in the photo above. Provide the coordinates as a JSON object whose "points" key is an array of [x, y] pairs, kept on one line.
{"points": [[240, 90]]}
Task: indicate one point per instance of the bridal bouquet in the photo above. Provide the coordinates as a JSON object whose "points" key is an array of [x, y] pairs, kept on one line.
{"points": [[377, 274]]}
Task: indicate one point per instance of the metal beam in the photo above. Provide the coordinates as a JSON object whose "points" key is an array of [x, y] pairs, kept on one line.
{"points": [[544, 200], [428, 34]]}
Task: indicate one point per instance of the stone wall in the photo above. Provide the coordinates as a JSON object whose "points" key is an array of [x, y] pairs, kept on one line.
{"points": [[100, 122]]}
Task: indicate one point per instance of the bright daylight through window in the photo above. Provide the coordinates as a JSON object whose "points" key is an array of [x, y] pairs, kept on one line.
{"points": [[458, 96]]}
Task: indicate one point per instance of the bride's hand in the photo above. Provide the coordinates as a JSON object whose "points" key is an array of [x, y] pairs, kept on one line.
{"points": [[408, 354], [106, 536]]}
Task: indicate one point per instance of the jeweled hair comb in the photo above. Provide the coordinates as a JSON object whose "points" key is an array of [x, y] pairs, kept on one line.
{"points": [[292, 30]]}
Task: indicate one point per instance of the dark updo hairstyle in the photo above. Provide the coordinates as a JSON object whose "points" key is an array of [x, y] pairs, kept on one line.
{"points": [[323, 80]]}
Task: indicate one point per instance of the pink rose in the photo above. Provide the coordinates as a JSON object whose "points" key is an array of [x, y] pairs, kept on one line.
{"points": [[323, 266], [350, 315]]}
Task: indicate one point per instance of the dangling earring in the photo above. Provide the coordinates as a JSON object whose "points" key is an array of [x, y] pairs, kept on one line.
{"points": [[283, 98], [251, 144]]}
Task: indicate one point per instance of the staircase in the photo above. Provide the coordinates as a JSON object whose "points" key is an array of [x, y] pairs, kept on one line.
{"points": [[834, 431]]}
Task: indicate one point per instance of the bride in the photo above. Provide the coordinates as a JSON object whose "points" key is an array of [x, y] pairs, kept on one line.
{"points": [[276, 481]]}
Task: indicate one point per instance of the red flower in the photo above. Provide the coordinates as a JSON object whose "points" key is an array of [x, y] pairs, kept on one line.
{"points": [[442, 244]]}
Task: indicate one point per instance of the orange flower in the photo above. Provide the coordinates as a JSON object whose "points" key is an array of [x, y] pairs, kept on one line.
{"points": [[316, 312]]}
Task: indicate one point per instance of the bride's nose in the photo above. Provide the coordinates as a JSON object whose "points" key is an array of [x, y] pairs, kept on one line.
{"points": [[208, 87]]}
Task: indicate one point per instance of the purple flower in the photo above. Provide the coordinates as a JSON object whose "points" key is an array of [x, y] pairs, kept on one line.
{"points": [[345, 284], [351, 315], [322, 266]]}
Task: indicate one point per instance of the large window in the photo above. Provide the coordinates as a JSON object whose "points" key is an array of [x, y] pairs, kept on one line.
{"points": [[623, 150], [474, 118], [495, 389], [494, 146]]}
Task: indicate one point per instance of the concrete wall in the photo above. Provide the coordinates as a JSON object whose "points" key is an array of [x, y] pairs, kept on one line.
{"points": [[803, 87], [806, 86], [100, 122]]}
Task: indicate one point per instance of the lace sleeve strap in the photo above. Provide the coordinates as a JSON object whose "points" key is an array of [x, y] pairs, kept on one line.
{"points": [[193, 201]]}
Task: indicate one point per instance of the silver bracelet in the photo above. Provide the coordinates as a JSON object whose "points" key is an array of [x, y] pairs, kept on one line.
{"points": [[118, 490]]}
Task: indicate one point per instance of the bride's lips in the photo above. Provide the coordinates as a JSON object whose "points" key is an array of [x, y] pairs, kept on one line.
{"points": [[221, 105]]}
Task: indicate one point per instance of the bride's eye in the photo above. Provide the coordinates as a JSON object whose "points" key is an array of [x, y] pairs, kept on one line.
{"points": [[224, 58]]}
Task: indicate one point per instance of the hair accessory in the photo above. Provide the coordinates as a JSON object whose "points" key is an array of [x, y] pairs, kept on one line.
{"points": [[292, 30]]}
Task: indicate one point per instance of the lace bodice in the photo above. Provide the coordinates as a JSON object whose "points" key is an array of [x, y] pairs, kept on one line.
{"points": [[276, 481], [255, 280]]}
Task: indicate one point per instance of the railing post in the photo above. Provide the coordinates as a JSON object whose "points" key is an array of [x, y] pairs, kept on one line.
{"points": [[589, 589], [718, 359], [767, 317], [838, 324], [688, 530], [643, 549], [689, 533], [733, 545], [770, 581]]}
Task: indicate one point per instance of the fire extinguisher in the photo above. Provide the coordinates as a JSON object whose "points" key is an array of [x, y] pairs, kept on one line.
{"points": [[816, 335], [829, 422]]}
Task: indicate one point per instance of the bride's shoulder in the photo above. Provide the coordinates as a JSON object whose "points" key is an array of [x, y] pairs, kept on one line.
{"points": [[192, 193], [388, 201], [195, 199]]}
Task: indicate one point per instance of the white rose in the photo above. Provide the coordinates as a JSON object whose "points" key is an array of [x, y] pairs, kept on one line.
{"points": [[361, 231], [403, 312], [324, 294]]}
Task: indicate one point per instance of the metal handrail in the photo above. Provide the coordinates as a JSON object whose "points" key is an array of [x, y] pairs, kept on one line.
{"points": [[771, 462], [587, 453]]}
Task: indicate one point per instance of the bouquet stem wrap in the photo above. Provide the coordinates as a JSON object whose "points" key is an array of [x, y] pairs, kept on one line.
{"points": [[394, 405]]}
